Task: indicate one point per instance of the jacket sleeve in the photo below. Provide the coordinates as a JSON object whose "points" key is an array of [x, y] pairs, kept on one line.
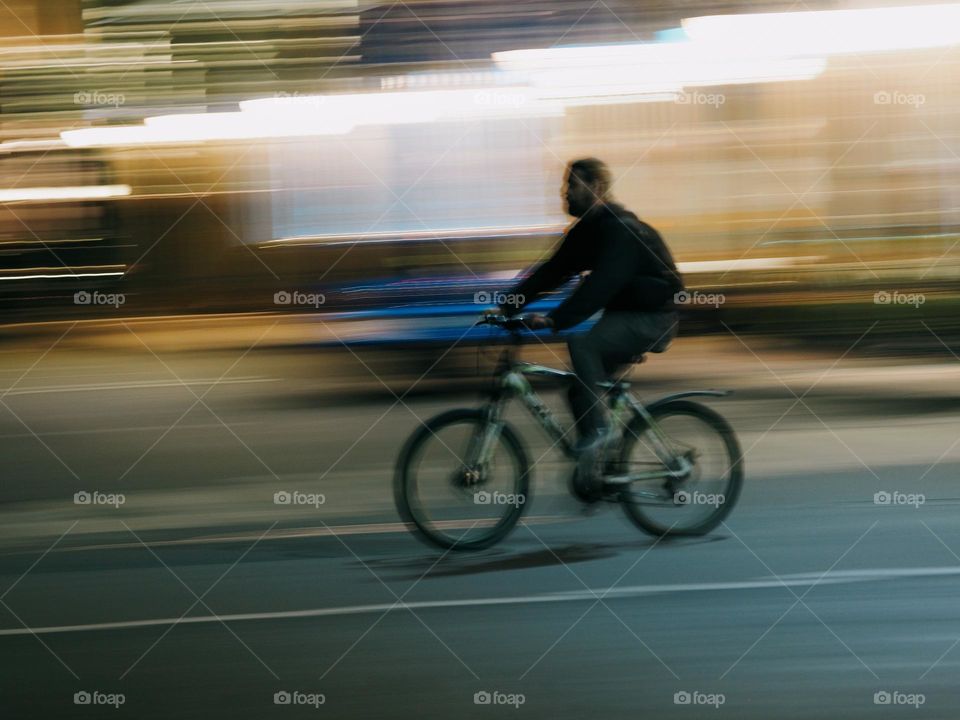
{"points": [[615, 268], [548, 276]]}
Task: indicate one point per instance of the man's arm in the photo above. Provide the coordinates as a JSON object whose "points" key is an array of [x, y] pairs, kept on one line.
{"points": [[548, 276], [616, 266]]}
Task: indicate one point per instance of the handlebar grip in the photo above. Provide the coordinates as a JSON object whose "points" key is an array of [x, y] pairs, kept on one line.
{"points": [[502, 321]]}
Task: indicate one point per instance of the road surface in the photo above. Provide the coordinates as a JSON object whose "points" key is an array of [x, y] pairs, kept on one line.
{"points": [[182, 590]]}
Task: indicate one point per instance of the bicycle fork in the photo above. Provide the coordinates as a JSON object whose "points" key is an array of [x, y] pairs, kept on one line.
{"points": [[481, 445]]}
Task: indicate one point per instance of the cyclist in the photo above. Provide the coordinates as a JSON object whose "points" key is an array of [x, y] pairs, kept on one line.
{"points": [[632, 279]]}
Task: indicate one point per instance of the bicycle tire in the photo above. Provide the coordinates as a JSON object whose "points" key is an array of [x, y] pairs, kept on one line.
{"points": [[405, 487], [636, 511]]}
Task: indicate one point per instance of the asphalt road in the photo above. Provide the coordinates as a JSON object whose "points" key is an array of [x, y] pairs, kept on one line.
{"points": [[197, 596]]}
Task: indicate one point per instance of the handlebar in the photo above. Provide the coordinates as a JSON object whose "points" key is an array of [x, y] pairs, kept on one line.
{"points": [[513, 325]]}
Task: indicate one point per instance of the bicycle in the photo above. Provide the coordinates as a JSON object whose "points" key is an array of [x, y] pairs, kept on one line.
{"points": [[651, 466]]}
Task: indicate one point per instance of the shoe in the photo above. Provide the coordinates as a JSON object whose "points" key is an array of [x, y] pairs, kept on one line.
{"points": [[587, 483]]}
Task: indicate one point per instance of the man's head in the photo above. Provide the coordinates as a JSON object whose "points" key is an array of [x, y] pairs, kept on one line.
{"points": [[586, 185]]}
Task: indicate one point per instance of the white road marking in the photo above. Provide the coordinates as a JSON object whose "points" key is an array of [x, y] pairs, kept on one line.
{"points": [[132, 428], [132, 385], [804, 579]]}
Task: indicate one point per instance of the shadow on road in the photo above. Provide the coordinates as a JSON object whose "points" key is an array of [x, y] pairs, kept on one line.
{"points": [[498, 560]]}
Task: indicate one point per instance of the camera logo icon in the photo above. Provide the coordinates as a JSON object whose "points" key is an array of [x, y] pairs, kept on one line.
{"points": [[82, 297], [482, 498], [82, 698], [482, 698], [282, 497], [82, 498], [282, 298], [881, 698], [282, 698], [682, 698]]}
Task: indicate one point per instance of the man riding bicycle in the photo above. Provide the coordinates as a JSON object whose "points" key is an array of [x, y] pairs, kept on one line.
{"points": [[632, 278]]}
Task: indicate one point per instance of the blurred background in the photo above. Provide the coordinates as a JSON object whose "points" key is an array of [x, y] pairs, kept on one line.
{"points": [[203, 157], [242, 245]]}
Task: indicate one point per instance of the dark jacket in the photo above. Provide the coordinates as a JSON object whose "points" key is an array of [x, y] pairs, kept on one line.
{"points": [[631, 268]]}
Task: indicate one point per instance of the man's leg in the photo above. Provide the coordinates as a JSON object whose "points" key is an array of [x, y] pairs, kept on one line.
{"points": [[586, 356], [614, 341]]}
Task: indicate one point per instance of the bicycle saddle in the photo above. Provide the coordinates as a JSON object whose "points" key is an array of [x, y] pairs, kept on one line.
{"points": [[618, 383]]}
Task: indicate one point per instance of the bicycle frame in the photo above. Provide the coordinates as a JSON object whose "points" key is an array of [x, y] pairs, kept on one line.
{"points": [[624, 406], [512, 382]]}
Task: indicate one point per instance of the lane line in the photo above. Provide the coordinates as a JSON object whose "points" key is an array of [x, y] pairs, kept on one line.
{"points": [[587, 595], [134, 385], [128, 429]]}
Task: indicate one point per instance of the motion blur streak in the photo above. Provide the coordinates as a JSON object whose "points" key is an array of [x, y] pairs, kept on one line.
{"points": [[63, 193], [243, 248], [835, 31]]}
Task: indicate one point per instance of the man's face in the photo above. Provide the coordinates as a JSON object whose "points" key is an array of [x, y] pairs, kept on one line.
{"points": [[578, 195]]}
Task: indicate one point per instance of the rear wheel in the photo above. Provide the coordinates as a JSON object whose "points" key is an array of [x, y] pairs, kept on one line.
{"points": [[451, 504], [709, 476]]}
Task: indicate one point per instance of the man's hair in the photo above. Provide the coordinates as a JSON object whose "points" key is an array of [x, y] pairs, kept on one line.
{"points": [[593, 171]]}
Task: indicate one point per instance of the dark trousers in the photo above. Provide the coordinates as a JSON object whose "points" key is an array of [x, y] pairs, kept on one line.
{"points": [[597, 354]]}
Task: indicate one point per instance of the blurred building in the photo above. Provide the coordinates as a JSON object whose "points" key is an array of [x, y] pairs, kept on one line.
{"points": [[771, 175]]}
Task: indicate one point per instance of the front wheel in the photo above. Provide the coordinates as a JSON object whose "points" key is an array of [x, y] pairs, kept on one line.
{"points": [[708, 472], [453, 500]]}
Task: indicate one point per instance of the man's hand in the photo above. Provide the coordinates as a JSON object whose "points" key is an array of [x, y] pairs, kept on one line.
{"points": [[537, 321]]}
